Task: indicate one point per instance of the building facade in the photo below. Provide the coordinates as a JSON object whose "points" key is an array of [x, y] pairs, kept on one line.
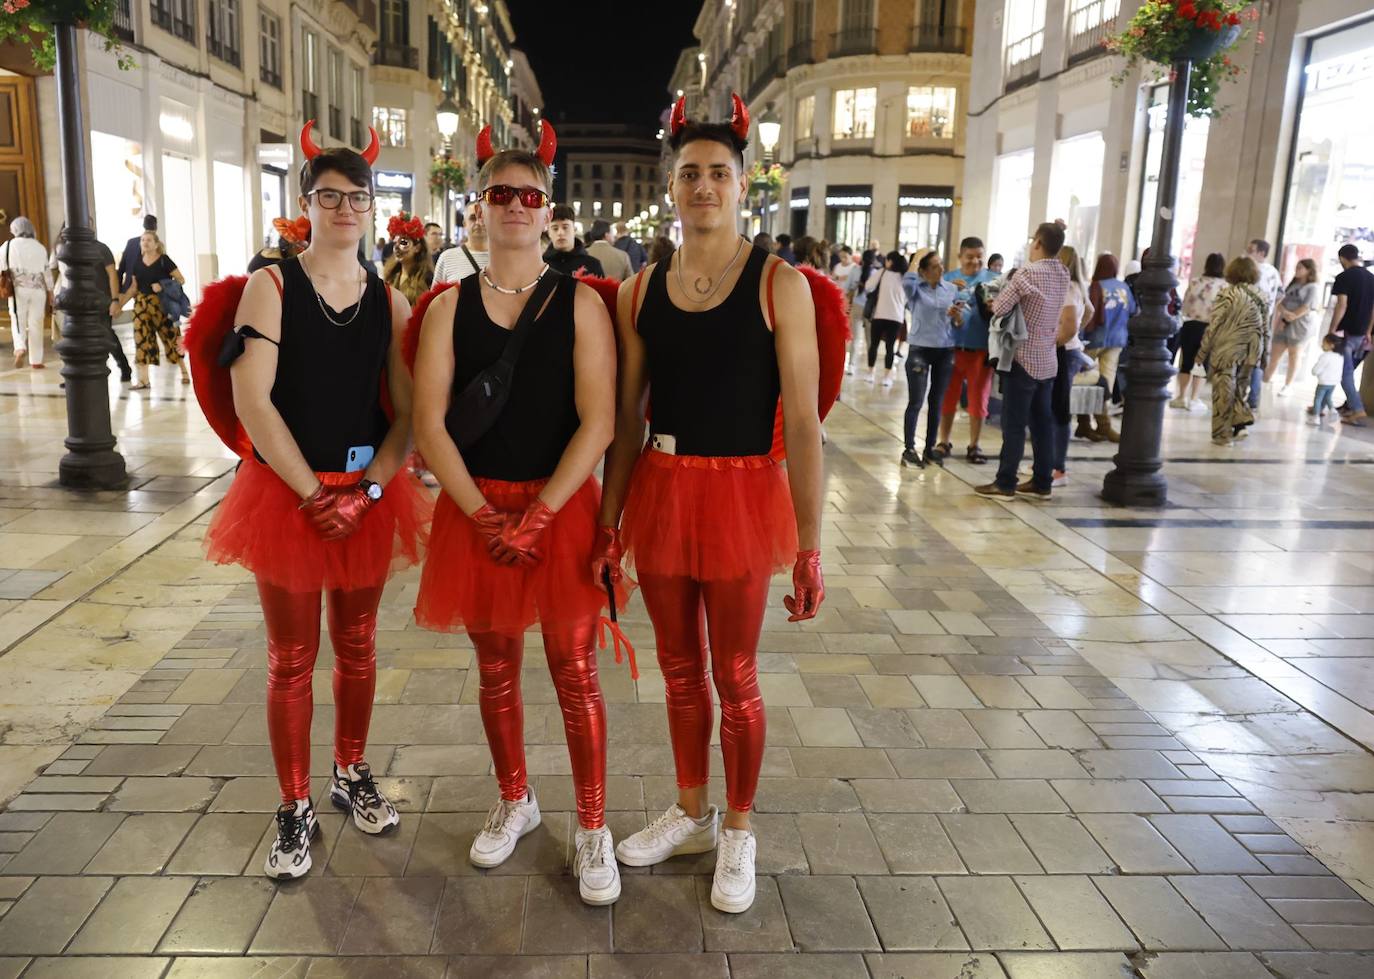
{"points": [[1051, 136], [608, 171], [870, 96]]}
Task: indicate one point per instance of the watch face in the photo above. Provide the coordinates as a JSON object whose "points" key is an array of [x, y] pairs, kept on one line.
{"points": [[374, 491]]}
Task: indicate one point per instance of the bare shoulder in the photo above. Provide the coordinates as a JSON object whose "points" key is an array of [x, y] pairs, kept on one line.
{"points": [[789, 284], [445, 303]]}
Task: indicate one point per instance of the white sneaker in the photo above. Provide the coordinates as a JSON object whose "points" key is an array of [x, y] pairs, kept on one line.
{"points": [[598, 875], [289, 857], [355, 791], [887, 380], [506, 823], [670, 835], [733, 889], [1285, 391], [872, 376]]}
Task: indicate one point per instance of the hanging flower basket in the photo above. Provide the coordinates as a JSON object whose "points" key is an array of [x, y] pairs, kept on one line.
{"points": [[30, 23], [446, 173], [1167, 33], [774, 175]]}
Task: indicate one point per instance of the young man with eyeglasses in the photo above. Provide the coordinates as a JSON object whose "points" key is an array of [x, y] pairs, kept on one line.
{"points": [[515, 527], [710, 340], [323, 500]]}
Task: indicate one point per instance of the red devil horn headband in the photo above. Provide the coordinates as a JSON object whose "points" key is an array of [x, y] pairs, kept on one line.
{"points": [[548, 144], [311, 149], [739, 118]]}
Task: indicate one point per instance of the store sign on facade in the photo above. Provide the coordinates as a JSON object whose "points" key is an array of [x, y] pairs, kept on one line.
{"points": [[391, 180], [274, 155]]}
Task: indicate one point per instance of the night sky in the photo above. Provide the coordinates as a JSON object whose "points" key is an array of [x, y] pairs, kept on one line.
{"points": [[603, 61]]}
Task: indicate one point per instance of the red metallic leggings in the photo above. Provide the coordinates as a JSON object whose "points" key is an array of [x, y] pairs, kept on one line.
{"points": [[293, 642], [571, 654], [685, 613]]}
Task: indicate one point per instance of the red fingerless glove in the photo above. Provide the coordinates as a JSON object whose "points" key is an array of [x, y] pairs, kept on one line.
{"points": [[520, 542], [490, 522], [336, 511], [606, 557], [808, 587]]}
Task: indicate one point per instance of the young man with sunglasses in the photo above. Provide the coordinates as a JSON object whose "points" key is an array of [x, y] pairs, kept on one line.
{"points": [[515, 528], [323, 500], [710, 340]]}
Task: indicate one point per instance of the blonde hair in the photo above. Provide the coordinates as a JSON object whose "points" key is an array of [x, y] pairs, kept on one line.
{"points": [[161, 248], [1242, 269], [1069, 256], [515, 158]]}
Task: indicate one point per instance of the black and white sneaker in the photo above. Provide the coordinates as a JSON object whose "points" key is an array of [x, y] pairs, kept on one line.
{"points": [[355, 791], [289, 857]]}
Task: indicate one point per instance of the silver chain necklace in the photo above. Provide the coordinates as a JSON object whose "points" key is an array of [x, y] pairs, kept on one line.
{"points": [[709, 290], [324, 308], [486, 277]]}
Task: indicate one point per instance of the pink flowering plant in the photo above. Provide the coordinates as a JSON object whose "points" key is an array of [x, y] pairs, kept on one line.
{"points": [[30, 23], [1164, 32]]}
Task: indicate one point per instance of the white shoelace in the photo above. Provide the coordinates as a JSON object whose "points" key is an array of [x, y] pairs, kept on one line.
{"points": [[500, 817], [732, 850], [593, 852], [660, 826]]}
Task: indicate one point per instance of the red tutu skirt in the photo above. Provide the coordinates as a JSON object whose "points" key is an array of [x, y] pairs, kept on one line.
{"points": [[463, 588], [260, 526], [709, 518]]}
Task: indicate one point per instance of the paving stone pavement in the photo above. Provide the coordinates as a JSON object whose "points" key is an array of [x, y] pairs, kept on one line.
{"points": [[951, 788]]}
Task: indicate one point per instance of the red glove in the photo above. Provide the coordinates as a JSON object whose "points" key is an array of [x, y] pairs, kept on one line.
{"points": [[336, 511], [807, 585], [490, 522], [606, 557], [519, 542]]}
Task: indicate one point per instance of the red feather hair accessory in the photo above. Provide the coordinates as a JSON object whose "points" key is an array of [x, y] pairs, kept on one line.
{"points": [[404, 226], [297, 232]]}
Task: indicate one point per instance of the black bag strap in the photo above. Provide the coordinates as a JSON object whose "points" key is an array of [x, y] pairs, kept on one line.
{"points": [[471, 260], [542, 290]]}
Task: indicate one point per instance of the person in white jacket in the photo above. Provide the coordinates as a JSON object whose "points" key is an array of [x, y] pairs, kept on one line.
{"points": [[27, 260], [1327, 370], [889, 313]]}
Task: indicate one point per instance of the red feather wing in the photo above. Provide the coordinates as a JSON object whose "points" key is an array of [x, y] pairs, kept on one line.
{"points": [[832, 338], [607, 289], [410, 343], [212, 319]]}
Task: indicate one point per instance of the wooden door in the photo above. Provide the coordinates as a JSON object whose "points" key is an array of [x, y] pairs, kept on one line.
{"points": [[21, 169]]}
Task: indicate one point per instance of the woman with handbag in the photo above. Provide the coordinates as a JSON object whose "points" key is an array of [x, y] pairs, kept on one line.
{"points": [[25, 283], [514, 408], [151, 322]]}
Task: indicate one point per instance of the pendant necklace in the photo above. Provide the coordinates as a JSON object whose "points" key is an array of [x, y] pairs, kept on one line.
{"points": [[708, 290], [324, 308], [486, 277]]}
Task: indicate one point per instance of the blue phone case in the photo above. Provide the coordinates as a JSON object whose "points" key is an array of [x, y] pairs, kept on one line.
{"points": [[359, 457]]}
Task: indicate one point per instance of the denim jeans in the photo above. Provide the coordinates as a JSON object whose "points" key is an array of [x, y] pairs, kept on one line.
{"points": [[1323, 399], [1069, 366], [927, 369], [1256, 386], [1348, 385], [1026, 401]]}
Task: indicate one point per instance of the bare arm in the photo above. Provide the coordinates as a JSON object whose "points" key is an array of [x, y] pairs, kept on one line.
{"points": [[253, 375], [594, 392], [1068, 326], [391, 454], [1338, 311], [632, 395], [799, 371], [433, 382]]}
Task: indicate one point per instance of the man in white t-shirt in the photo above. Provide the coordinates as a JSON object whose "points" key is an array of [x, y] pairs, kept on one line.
{"points": [[1270, 286], [457, 263]]}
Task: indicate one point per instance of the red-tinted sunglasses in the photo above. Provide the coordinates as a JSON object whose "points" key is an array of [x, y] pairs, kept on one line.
{"points": [[500, 195]]}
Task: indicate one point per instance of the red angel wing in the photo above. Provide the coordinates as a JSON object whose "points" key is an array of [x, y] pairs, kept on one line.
{"points": [[832, 337], [212, 319], [410, 343]]}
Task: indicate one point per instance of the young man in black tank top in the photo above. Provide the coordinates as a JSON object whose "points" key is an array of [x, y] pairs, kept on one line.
{"points": [[708, 514], [515, 528], [323, 500]]}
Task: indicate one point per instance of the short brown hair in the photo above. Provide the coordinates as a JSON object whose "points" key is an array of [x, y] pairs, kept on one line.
{"points": [[1242, 269], [1051, 238], [563, 212], [515, 158]]}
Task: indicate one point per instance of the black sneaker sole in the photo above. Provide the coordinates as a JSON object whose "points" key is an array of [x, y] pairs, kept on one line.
{"points": [[346, 806]]}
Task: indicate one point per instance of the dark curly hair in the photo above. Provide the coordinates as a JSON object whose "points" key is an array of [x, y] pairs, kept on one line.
{"points": [[715, 132]]}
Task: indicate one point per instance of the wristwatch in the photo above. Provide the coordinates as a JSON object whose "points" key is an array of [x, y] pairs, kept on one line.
{"points": [[373, 490]]}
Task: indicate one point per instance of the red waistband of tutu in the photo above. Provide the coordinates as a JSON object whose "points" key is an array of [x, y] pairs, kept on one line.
{"points": [[666, 460], [327, 478], [506, 486]]}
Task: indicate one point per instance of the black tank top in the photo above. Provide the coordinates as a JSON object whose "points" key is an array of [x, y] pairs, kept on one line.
{"points": [[713, 376], [329, 378], [540, 416]]}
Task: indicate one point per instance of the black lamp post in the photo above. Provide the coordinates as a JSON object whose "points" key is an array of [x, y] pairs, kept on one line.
{"points": [[91, 461], [1136, 479]]}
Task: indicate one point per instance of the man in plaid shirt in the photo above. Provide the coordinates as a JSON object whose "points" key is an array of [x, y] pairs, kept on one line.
{"points": [[1039, 288]]}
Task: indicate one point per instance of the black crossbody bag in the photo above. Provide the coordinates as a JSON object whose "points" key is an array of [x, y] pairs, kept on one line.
{"points": [[475, 409]]}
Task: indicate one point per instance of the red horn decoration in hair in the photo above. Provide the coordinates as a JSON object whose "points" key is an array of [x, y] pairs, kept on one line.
{"points": [[308, 145], [739, 119], [548, 143], [373, 148], [678, 119], [484, 149]]}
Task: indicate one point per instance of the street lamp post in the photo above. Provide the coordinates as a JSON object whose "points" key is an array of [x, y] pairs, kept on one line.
{"points": [[447, 117], [770, 130], [1136, 479], [91, 461]]}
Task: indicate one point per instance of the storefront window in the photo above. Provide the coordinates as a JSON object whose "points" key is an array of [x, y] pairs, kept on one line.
{"points": [[924, 219], [930, 113], [806, 117], [231, 221], [273, 187], [854, 112], [1076, 191], [177, 225], [393, 196], [1190, 164], [1331, 189], [1009, 230], [848, 215], [117, 172]]}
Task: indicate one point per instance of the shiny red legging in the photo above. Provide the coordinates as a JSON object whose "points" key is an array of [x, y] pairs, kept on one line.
{"points": [[571, 654], [293, 642], [685, 613]]}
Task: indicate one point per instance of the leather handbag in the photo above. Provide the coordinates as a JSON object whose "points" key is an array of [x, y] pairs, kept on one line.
{"points": [[475, 409], [6, 276]]}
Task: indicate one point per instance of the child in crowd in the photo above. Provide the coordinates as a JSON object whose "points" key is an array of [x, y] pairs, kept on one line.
{"points": [[1327, 371]]}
